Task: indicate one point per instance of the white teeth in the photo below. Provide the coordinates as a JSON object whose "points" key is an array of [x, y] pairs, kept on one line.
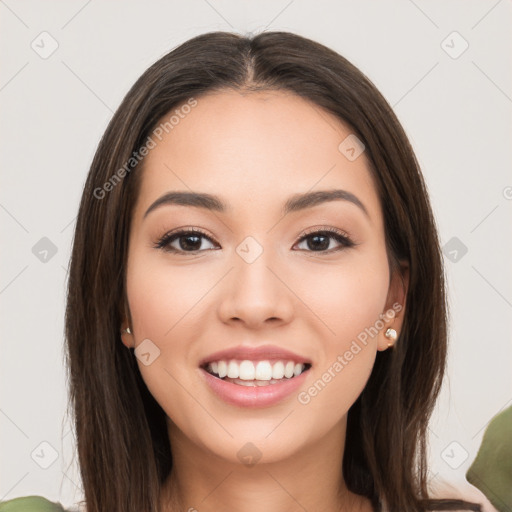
{"points": [[247, 371], [233, 370], [278, 370], [288, 370], [263, 370], [222, 369]]}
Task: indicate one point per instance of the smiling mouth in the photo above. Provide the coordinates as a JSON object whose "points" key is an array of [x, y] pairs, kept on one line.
{"points": [[252, 374]]}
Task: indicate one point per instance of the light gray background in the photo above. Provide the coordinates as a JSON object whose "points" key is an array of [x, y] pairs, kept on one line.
{"points": [[456, 112]]}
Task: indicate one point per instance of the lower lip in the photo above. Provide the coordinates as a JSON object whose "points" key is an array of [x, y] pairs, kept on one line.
{"points": [[254, 396]]}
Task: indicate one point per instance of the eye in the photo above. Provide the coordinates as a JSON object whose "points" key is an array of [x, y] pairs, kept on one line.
{"points": [[188, 240], [320, 241]]}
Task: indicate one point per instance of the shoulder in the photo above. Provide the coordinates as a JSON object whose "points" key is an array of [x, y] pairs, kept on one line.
{"points": [[30, 504], [491, 470], [459, 489]]}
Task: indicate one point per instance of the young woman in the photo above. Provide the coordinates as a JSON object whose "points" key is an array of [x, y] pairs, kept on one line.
{"points": [[256, 314]]}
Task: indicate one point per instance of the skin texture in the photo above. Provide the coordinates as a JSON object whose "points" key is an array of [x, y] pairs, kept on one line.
{"points": [[255, 150]]}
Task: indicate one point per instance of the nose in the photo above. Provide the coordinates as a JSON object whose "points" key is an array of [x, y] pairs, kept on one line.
{"points": [[256, 294]]}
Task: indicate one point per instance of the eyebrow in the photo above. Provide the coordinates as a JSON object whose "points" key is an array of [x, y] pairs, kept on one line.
{"points": [[295, 203]]}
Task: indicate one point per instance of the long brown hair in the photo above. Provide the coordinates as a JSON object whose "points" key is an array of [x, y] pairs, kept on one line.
{"points": [[121, 433]]}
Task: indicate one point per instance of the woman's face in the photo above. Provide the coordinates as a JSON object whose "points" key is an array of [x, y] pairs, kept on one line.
{"points": [[255, 274]]}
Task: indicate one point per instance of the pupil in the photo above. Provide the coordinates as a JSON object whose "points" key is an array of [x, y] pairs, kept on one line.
{"points": [[188, 246], [321, 245]]}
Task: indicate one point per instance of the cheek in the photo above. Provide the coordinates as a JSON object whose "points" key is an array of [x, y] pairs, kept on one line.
{"points": [[166, 308], [348, 295], [161, 297], [158, 299], [349, 299]]}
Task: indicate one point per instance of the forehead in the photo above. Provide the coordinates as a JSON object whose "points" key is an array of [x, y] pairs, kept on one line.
{"points": [[254, 147]]}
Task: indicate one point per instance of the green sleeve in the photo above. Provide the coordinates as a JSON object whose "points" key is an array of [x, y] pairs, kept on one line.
{"points": [[491, 471], [30, 504]]}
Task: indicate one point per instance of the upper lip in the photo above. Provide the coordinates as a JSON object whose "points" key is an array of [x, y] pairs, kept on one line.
{"points": [[260, 353]]}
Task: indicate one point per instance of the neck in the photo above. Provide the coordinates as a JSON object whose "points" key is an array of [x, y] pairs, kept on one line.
{"points": [[311, 479]]}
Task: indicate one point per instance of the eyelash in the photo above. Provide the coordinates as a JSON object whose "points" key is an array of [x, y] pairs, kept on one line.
{"points": [[334, 233]]}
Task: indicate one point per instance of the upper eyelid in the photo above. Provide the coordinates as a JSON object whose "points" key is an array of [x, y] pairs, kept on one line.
{"points": [[322, 229], [177, 233]]}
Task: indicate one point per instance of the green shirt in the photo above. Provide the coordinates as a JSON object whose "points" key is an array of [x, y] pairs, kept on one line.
{"points": [[491, 470], [31, 504]]}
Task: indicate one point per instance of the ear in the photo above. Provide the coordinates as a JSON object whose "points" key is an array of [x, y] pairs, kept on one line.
{"points": [[394, 312], [127, 338]]}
